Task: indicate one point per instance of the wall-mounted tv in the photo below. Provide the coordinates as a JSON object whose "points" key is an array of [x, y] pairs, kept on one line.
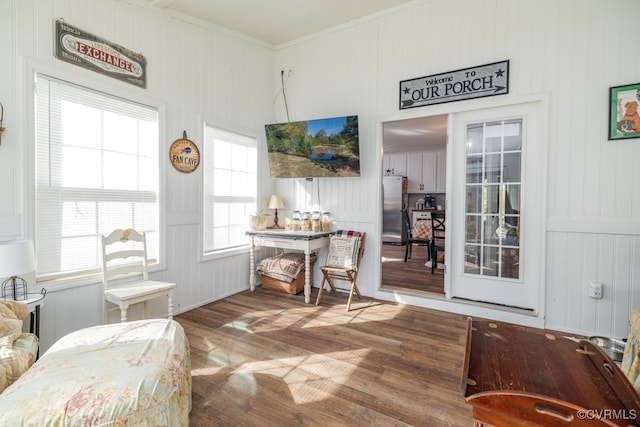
{"points": [[314, 148]]}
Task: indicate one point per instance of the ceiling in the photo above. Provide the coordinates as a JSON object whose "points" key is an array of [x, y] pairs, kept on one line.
{"points": [[276, 22], [419, 134]]}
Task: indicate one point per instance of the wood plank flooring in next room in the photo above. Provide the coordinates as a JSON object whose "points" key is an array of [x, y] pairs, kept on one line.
{"points": [[413, 274], [268, 359]]}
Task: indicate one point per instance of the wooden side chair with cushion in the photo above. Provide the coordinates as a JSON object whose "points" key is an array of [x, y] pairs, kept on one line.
{"points": [[438, 230], [412, 239], [124, 255], [343, 262]]}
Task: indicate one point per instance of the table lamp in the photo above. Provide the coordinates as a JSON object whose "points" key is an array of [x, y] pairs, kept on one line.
{"points": [[16, 257], [275, 202]]}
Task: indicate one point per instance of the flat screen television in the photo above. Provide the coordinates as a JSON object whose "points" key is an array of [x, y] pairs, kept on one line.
{"points": [[314, 148]]}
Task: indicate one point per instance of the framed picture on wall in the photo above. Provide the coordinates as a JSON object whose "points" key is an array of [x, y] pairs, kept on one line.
{"points": [[624, 119]]}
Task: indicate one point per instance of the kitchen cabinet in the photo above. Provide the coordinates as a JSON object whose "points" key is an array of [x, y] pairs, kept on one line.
{"points": [[394, 164], [421, 172], [426, 172], [441, 171]]}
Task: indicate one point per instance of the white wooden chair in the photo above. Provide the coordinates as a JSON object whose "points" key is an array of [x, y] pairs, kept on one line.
{"points": [[124, 254]]}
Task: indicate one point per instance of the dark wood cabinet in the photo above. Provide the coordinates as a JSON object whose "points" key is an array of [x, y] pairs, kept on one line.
{"points": [[520, 376]]}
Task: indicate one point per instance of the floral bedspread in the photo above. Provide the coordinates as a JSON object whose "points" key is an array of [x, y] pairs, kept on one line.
{"points": [[134, 374]]}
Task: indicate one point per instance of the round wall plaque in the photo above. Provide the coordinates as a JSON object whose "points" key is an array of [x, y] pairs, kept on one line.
{"points": [[184, 155]]}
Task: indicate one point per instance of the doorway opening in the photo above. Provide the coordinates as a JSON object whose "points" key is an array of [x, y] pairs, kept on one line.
{"points": [[416, 150]]}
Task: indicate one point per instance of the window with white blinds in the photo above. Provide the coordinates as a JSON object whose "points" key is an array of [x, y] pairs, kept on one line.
{"points": [[97, 170], [230, 188]]}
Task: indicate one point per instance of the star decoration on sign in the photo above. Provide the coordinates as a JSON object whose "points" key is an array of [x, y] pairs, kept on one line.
{"points": [[406, 90], [500, 73]]}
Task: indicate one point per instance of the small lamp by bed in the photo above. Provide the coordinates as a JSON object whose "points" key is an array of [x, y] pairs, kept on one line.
{"points": [[16, 257]]}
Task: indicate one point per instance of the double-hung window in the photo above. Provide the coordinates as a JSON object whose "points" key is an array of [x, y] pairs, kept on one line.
{"points": [[230, 188], [97, 170]]}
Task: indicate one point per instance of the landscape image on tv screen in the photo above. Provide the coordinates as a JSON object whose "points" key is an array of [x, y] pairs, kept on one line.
{"points": [[314, 148]]}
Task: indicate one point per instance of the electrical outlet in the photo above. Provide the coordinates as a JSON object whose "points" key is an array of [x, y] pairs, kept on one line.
{"points": [[290, 73], [595, 290]]}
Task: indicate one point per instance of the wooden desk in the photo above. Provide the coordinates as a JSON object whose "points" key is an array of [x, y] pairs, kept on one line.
{"points": [[305, 241], [519, 376]]}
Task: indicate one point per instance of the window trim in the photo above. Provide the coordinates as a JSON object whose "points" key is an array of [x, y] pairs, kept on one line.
{"points": [[86, 79], [244, 248]]}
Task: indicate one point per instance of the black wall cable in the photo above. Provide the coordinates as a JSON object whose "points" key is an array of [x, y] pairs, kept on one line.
{"points": [[284, 95]]}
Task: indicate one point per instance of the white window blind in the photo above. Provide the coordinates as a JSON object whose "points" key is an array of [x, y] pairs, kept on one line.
{"points": [[97, 170], [230, 188]]}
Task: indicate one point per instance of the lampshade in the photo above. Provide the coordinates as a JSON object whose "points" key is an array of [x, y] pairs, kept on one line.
{"points": [[16, 257], [275, 202]]}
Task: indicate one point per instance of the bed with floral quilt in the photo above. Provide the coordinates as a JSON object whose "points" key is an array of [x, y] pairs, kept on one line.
{"points": [[133, 373]]}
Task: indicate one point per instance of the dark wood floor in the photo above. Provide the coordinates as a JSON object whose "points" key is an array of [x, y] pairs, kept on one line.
{"points": [[268, 359], [412, 274]]}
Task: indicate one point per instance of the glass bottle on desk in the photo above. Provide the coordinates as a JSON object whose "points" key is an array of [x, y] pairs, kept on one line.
{"points": [[316, 225], [295, 221], [326, 221], [306, 222]]}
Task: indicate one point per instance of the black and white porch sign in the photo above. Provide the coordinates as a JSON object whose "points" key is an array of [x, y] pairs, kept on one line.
{"points": [[467, 83], [93, 53]]}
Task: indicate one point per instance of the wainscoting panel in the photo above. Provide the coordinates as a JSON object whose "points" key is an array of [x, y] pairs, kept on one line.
{"points": [[196, 72], [576, 259], [592, 200], [568, 52]]}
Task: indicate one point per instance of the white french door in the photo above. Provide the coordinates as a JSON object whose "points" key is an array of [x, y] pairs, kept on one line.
{"points": [[495, 224]]}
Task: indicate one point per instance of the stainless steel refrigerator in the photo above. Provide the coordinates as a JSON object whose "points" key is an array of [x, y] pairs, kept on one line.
{"points": [[395, 199]]}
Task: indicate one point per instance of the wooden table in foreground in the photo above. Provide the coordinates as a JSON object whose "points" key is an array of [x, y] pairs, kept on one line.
{"points": [[306, 241], [519, 376]]}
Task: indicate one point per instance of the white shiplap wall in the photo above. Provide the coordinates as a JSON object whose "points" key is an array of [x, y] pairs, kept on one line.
{"points": [[195, 72], [570, 52]]}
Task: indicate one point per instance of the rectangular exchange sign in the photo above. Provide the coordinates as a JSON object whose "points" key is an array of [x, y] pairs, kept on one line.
{"points": [[468, 83], [88, 51]]}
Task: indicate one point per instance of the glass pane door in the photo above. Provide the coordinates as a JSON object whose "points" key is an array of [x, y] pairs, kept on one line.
{"points": [[495, 225], [492, 214]]}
